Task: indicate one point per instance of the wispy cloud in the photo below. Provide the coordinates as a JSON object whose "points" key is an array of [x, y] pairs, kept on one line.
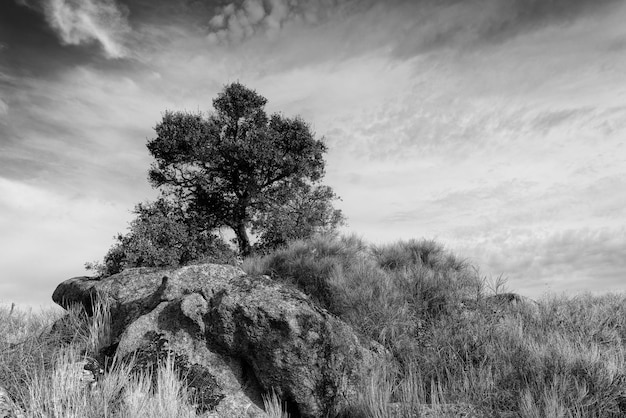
{"points": [[104, 145], [83, 21], [4, 108], [421, 25], [453, 24], [544, 225], [557, 260]]}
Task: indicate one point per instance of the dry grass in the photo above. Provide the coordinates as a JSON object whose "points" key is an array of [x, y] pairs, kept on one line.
{"points": [[274, 406], [565, 358], [44, 376]]}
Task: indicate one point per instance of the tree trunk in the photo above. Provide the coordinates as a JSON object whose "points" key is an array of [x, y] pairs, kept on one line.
{"points": [[242, 238]]}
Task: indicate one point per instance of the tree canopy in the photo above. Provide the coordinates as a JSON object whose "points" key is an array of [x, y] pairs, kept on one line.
{"points": [[305, 213], [244, 169]]}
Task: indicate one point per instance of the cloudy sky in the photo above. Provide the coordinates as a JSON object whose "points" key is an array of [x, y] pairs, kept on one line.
{"points": [[496, 127]]}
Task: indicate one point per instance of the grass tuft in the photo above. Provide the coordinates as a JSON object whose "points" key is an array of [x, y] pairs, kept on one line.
{"points": [[274, 406]]}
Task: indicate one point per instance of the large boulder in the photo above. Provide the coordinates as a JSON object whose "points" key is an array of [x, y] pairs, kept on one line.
{"points": [[234, 337]]}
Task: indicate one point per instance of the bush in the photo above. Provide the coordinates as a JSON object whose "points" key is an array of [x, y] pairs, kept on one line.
{"points": [[428, 253], [384, 292], [163, 235]]}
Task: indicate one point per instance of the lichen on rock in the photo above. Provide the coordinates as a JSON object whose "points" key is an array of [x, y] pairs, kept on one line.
{"points": [[233, 337]]}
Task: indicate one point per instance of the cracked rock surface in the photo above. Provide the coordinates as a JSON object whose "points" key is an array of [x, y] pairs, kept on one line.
{"points": [[234, 337]]}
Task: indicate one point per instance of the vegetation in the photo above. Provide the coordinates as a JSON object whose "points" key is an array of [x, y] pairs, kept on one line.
{"points": [[163, 235], [237, 168], [240, 167], [563, 357], [42, 372]]}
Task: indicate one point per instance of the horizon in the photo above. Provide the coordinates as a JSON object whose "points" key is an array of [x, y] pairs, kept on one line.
{"points": [[496, 128]]}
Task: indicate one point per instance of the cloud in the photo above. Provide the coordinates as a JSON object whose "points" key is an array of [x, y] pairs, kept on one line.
{"points": [[569, 260], [84, 21], [4, 108], [549, 83], [238, 22], [409, 27], [488, 125], [460, 101], [452, 24], [234, 24], [47, 237], [84, 131], [542, 234]]}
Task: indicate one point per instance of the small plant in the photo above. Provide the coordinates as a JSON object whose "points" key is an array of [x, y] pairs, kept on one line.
{"points": [[274, 407], [168, 399]]}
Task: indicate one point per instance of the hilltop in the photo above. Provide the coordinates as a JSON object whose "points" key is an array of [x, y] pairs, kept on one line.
{"points": [[441, 342]]}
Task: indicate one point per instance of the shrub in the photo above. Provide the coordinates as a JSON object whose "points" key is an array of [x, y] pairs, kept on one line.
{"points": [[413, 253], [384, 291], [163, 235]]}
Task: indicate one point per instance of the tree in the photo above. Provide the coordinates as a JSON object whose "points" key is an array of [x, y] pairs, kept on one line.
{"points": [[305, 213], [240, 168], [163, 235]]}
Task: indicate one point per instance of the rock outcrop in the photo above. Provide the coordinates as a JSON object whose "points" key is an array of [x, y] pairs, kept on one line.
{"points": [[233, 336]]}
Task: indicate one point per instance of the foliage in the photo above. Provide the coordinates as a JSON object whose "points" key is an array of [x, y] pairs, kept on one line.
{"points": [[307, 212], [563, 358], [412, 253], [42, 371], [382, 291], [240, 167], [163, 235]]}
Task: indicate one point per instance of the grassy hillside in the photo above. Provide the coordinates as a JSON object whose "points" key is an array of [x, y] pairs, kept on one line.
{"points": [[452, 341]]}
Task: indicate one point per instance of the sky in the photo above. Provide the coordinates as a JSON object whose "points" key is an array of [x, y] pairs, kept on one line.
{"points": [[496, 127]]}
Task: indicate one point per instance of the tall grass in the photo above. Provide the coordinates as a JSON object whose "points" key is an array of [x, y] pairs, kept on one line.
{"points": [[431, 310], [453, 350], [274, 406], [386, 292], [168, 400], [42, 371]]}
